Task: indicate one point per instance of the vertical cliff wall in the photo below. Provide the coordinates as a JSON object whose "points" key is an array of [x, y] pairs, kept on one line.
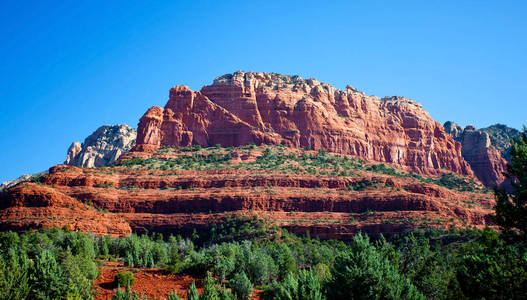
{"points": [[268, 108]]}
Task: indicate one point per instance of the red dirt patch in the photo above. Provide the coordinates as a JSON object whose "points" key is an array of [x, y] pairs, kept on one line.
{"points": [[154, 283]]}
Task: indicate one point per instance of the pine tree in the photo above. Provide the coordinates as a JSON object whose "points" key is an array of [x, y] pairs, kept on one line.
{"points": [[511, 210], [192, 293], [304, 286], [209, 289], [241, 286], [173, 296], [363, 273]]}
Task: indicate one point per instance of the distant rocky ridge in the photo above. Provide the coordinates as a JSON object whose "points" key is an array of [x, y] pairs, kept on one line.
{"points": [[102, 147], [10, 183], [486, 149], [269, 108], [500, 137]]}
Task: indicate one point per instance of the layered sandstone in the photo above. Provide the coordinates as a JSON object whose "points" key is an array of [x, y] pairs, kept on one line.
{"points": [[32, 206], [102, 147], [267, 108], [141, 198]]}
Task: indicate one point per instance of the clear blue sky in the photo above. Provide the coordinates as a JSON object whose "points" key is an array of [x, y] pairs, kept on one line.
{"points": [[68, 67]]}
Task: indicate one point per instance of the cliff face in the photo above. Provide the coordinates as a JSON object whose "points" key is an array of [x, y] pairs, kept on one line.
{"points": [[102, 147], [481, 151], [260, 108]]}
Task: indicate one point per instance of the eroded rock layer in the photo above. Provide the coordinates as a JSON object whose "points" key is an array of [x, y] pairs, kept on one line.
{"points": [[261, 108], [177, 192]]}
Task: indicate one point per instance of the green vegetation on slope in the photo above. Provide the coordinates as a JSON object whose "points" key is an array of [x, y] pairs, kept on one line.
{"points": [[500, 137], [57, 264], [278, 159]]}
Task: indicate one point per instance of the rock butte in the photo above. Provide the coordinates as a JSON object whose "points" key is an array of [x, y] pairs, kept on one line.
{"points": [[262, 109], [267, 108]]}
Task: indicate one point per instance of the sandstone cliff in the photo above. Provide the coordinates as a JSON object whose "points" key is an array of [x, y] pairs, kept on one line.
{"points": [[102, 147], [267, 108], [486, 149], [277, 126]]}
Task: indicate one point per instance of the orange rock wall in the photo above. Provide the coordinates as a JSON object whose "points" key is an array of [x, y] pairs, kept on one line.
{"points": [[261, 108]]}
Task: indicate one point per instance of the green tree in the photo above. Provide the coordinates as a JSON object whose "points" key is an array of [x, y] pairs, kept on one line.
{"points": [[223, 260], [192, 293], [14, 279], [80, 271], [173, 296], [511, 210], [209, 289], [241, 286], [304, 286], [425, 268], [490, 269], [127, 294], [363, 273], [46, 278]]}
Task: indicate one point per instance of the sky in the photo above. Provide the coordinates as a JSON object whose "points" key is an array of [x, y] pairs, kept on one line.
{"points": [[68, 67]]}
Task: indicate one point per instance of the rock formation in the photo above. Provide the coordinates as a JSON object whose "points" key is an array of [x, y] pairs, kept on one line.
{"points": [[31, 206], [367, 182], [173, 198], [500, 137], [10, 183], [102, 147], [267, 108], [486, 149]]}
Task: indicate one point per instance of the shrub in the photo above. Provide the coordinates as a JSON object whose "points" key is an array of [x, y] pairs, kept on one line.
{"points": [[124, 278], [127, 294], [241, 286], [209, 289]]}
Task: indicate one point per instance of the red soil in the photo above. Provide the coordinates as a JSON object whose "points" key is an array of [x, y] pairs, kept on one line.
{"points": [[154, 283]]}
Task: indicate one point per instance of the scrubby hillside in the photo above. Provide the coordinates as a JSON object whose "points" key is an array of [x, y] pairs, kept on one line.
{"points": [[331, 195]]}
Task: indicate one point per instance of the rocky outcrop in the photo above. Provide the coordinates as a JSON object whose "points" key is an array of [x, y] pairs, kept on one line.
{"points": [[10, 183], [102, 147], [486, 153], [262, 108]]}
